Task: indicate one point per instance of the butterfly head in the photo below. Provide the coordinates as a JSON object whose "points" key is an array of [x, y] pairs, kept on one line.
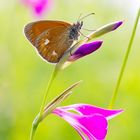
{"points": [[75, 29]]}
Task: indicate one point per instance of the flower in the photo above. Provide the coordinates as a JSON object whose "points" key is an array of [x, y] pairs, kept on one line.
{"points": [[76, 52], [89, 121], [118, 23], [39, 7], [84, 50], [105, 29]]}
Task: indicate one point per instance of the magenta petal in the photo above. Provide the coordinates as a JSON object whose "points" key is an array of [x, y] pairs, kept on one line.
{"points": [[89, 121], [85, 49], [119, 23], [96, 125], [38, 6], [70, 118], [93, 126], [87, 109]]}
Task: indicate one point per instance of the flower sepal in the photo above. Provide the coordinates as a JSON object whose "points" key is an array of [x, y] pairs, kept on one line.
{"points": [[54, 103]]}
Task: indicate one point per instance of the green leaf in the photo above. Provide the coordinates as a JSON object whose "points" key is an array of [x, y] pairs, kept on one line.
{"points": [[53, 104]]}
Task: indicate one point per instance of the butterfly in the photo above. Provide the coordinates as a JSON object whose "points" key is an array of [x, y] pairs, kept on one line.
{"points": [[52, 38]]}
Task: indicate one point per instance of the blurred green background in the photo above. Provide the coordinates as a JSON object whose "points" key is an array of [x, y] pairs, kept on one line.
{"points": [[24, 76]]}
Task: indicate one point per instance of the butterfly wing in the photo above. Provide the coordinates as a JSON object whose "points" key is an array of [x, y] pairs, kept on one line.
{"points": [[50, 38], [52, 44]]}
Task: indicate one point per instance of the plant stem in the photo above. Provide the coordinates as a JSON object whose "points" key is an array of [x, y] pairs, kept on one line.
{"points": [[33, 130], [47, 91], [112, 102], [39, 116]]}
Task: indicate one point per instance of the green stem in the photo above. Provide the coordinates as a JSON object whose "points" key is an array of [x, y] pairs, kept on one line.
{"points": [[33, 130], [47, 91], [39, 116], [112, 102]]}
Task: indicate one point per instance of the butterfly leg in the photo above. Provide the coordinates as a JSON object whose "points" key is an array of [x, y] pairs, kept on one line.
{"points": [[84, 35]]}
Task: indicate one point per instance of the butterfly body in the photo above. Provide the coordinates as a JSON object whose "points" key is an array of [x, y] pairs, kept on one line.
{"points": [[52, 38], [74, 30]]}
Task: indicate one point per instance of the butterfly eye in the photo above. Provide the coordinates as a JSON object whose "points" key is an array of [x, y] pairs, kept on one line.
{"points": [[73, 30]]}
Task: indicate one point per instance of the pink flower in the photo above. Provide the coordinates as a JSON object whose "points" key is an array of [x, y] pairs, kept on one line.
{"points": [[89, 121], [39, 7], [85, 49]]}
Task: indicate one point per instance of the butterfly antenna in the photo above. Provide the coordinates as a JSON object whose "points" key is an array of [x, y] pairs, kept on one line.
{"points": [[85, 16], [79, 17]]}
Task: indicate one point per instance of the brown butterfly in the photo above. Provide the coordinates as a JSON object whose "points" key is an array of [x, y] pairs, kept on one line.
{"points": [[52, 38]]}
